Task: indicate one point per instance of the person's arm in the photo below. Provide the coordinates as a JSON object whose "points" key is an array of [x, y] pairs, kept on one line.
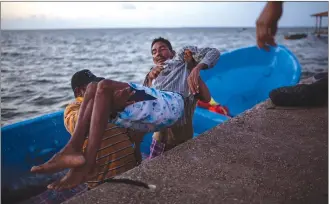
{"points": [[204, 93], [205, 57], [153, 74], [267, 24], [147, 82]]}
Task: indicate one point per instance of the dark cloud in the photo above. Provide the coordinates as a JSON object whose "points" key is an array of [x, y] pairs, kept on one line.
{"points": [[128, 6]]}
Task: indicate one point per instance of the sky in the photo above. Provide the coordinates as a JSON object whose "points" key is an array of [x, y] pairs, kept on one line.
{"points": [[63, 15]]}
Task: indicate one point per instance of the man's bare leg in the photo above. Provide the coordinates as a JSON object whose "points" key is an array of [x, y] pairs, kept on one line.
{"points": [[102, 108], [71, 155], [137, 138]]}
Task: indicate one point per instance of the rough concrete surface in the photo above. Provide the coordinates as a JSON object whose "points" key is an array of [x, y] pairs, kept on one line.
{"points": [[263, 156]]}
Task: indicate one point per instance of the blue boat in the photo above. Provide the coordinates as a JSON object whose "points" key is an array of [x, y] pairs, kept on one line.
{"points": [[241, 79]]}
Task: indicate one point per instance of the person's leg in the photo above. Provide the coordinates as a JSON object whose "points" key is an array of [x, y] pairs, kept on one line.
{"points": [[137, 137], [315, 94], [71, 155], [165, 138], [179, 134], [103, 107], [320, 76], [158, 143]]}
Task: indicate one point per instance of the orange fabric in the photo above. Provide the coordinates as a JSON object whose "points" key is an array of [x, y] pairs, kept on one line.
{"points": [[71, 115], [214, 108], [118, 150]]}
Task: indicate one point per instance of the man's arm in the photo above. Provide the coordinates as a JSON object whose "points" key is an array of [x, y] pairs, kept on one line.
{"points": [[204, 93], [147, 82], [205, 57], [154, 72]]}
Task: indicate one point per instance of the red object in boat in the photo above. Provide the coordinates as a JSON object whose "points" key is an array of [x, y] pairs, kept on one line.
{"points": [[214, 108]]}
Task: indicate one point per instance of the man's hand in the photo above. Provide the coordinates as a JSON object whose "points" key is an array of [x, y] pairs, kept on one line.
{"points": [[154, 73], [121, 99], [193, 79], [189, 60], [267, 24]]}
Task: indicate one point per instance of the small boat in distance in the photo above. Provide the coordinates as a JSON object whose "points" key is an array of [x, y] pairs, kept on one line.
{"points": [[296, 36]]}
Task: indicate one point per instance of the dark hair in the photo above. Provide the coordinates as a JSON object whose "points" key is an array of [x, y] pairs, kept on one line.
{"points": [[83, 78], [161, 39]]}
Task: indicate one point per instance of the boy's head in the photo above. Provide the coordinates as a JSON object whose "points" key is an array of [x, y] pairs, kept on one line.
{"points": [[161, 50], [80, 81]]}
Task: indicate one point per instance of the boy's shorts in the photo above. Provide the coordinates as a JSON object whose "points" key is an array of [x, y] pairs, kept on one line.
{"points": [[160, 109]]}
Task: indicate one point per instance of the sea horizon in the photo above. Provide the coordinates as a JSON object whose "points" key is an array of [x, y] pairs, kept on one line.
{"points": [[150, 28]]}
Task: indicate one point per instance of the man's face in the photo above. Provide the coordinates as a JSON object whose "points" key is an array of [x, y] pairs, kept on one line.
{"points": [[161, 53], [80, 91]]}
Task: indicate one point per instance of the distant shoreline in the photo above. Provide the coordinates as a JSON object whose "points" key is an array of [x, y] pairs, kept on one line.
{"points": [[151, 28]]}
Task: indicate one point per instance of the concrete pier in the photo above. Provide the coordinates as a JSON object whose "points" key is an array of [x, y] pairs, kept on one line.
{"points": [[262, 156]]}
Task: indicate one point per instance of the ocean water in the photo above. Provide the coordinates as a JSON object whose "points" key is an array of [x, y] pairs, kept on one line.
{"points": [[36, 66]]}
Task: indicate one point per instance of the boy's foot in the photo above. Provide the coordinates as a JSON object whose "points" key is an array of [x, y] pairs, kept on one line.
{"points": [[73, 178], [67, 158], [306, 95]]}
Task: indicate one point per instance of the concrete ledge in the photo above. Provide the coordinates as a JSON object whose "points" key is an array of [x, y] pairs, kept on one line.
{"points": [[262, 156]]}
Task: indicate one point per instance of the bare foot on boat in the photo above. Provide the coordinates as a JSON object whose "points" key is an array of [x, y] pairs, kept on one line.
{"points": [[73, 178], [67, 158]]}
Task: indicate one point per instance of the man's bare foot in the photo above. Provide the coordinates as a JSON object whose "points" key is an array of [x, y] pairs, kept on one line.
{"points": [[67, 158], [73, 178]]}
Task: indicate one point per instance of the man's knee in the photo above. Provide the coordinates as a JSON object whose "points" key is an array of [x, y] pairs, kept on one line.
{"points": [[91, 89], [104, 86], [161, 136]]}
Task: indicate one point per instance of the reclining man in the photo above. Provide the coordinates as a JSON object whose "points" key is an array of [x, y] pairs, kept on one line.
{"points": [[180, 73]]}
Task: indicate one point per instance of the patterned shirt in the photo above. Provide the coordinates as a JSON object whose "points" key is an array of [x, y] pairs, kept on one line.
{"points": [[175, 74]]}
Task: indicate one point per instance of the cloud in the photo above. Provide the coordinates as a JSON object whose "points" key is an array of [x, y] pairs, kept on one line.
{"points": [[151, 8], [35, 15], [41, 16], [128, 6]]}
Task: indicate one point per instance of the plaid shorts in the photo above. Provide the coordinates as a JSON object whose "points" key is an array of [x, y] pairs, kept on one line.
{"points": [[157, 148]]}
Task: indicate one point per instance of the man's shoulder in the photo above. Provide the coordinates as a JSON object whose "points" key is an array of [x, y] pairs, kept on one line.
{"points": [[189, 47], [72, 106]]}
